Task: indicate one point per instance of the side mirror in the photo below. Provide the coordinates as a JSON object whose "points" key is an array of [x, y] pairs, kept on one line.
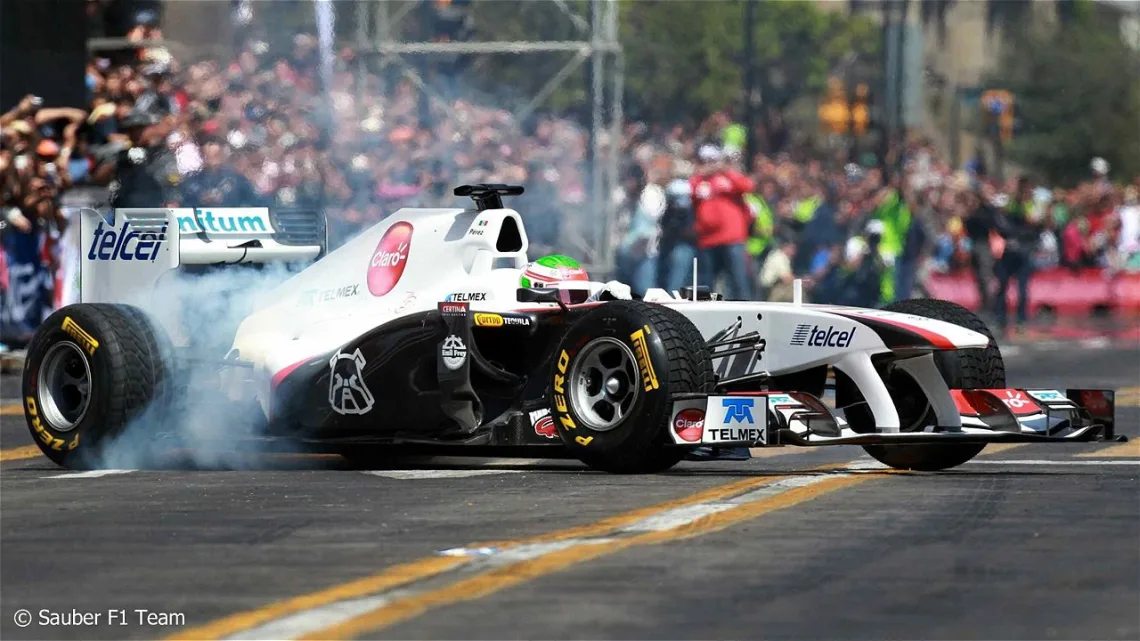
{"points": [[703, 293]]}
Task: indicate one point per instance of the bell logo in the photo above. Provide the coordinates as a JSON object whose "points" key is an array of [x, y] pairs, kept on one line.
{"points": [[389, 259]]}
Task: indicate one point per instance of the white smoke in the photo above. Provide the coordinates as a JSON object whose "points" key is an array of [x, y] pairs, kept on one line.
{"points": [[194, 421]]}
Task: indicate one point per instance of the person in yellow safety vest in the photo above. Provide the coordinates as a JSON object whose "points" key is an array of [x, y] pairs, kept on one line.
{"points": [[733, 139], [896, 218], [806, 208], [763, 223]]}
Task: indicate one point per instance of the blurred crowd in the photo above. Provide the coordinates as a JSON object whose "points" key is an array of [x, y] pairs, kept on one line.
{"points": [[270, 129], [857, 233]]}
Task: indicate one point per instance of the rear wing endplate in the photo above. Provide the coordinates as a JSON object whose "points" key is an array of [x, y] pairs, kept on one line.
{"points": [[124, 252]]}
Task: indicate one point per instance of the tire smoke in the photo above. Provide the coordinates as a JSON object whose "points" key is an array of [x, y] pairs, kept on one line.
{"points": [[195, 416]]}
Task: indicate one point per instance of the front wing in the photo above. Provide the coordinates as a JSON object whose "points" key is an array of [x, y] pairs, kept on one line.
{"points": [[760, 419]]}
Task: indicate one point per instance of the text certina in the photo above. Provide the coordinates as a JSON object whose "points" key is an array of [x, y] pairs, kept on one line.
{"points": [[75, 617]]}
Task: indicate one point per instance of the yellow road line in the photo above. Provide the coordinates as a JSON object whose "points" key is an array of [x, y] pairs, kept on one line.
{"points": [[20, 453], [607, 525], [391, 578], [431, 566], [12, 409], [1131, 449], [516, 573]]}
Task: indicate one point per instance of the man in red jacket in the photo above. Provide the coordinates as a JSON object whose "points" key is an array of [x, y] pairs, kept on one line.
{"points": [[722, 223]]}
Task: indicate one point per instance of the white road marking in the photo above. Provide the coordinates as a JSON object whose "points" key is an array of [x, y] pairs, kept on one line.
{"points": [[1025, 462], [675, 518], [416, 475], [93, 474], [515, 462], [309, 621], [681, 516]]}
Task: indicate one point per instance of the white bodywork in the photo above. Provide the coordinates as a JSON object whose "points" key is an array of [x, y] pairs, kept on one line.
{"points": [[416, 258]]}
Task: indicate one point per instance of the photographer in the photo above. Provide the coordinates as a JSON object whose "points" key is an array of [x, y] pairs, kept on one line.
{"points": [[134, 170], [219, 185]]}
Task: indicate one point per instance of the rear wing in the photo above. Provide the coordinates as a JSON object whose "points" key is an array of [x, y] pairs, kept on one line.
{"points": [[124, 252]]}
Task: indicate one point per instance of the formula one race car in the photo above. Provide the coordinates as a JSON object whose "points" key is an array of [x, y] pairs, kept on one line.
{"points": [[433, 328]]}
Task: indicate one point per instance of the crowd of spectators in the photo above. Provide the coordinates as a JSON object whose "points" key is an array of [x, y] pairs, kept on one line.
{"points": [[855, 233], [267, 129]]}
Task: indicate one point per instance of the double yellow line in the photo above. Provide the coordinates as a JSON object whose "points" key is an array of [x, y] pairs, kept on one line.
{"points": [[17, 453], [575, 551]]}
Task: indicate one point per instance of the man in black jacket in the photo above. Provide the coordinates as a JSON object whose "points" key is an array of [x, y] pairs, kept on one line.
{"points": [[1021, 230], [979, 224]]}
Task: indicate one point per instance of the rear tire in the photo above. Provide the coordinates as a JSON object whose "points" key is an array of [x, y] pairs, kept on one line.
{"points": [[961, 369], [630, 357], [91, 370]]}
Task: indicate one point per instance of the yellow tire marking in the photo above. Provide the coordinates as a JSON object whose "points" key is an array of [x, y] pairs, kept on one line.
{"points": [[1131, 449], [516, 573], [20, 453], [12, 409]]}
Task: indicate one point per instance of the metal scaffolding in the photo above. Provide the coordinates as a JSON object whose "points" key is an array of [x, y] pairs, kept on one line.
{"points": [[598, 44]]}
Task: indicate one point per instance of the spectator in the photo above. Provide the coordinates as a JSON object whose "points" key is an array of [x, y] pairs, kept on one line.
{"points": [[1018, 227], [776, 275], [637, 253], [722, 222], [865, 268], [678, 240], [980, 226], [1129, 214]]}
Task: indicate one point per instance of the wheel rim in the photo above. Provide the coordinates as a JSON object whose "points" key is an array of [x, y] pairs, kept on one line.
{"points": [[603, 384], [64, 386]]}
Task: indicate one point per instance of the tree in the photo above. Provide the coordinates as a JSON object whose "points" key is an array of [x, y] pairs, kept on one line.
{"points": [[1076, 96], [683, 57]]}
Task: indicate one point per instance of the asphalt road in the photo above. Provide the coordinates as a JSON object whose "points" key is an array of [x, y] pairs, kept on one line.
{"points": [[1026, 542]]}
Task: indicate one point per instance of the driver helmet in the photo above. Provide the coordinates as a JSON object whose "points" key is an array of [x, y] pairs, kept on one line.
{"points": [[555, 271]]}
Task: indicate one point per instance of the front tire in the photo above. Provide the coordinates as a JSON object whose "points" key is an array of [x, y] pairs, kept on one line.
{"points": [[91, 370], [961, 369], [613, 382]]}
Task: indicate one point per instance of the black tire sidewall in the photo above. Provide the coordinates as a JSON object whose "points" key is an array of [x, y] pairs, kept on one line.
{"points": [[940, 456], [651, 407], [72, 446]]}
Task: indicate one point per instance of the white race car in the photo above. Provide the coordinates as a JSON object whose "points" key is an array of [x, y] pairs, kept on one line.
{"points": [[420, 332]]}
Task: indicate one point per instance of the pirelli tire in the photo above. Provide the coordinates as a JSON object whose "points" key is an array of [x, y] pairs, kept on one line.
{"points": [[633, 357], [961, 369], [91, 369]]}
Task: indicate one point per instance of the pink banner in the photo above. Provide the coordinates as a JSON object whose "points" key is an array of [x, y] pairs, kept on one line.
{"points": [[1064, 292]]}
